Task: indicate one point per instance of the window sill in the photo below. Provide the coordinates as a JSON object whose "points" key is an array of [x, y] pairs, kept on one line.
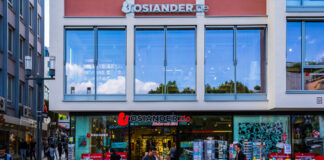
{"points": [[90, 98], [305, 92], [164, 97], [305, 9], [236, 97]]}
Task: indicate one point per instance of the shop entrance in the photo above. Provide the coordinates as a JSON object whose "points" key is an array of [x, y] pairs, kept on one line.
{"points": [[163, 138]]}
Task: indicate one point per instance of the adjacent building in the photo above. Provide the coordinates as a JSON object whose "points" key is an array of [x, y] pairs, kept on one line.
{"points": [[21, 34], [200, 75]]}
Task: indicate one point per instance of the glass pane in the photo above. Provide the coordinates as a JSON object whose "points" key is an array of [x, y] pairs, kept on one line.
{"points": [[79, 62], [269, 129], [181, 62], [99, 135], [313, 3], [219, 69], [111, 67], [314, 43], [293, 63], [293, 3], [307, 131], [149, 62], [250, 61], [314, 79]]}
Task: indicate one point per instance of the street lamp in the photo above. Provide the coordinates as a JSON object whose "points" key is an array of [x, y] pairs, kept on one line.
{"points": [[40, 82]]}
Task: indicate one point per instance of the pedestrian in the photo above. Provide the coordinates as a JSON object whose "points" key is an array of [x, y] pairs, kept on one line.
{"points": [[173, 152], [151, 154], [114, 156], [239, 154], [23, 149], [32, 147], [52, 152], [59, 148], [3, 154], [66, 149]]}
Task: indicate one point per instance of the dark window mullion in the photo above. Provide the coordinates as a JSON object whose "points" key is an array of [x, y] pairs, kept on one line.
{"points": [[165, 61], [234, 58], [96, 59], [303, 52]]}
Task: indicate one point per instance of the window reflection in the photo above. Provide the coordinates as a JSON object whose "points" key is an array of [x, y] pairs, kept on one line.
{"points": [[180, 69], [219, 69], [314, 79], [165, 61], [314, 43], [79, 62], [149, 61], [249, 61], [313, 3], [111, 62], [293, 64], [293, 3]]}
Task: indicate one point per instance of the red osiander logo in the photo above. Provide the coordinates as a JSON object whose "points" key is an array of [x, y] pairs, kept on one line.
{"points": [[122, 119]]}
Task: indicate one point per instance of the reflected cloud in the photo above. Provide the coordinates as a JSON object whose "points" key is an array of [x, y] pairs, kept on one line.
{"points": [[145, 87], [112, 86], [74, 70]]}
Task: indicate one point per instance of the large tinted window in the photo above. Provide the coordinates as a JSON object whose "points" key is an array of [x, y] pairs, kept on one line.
{"points": [[219, 68], [79, 65], [95, 62], [234, 60], [111, 62], [305, 60], [149, 61], [165, 61], [305, 3]]}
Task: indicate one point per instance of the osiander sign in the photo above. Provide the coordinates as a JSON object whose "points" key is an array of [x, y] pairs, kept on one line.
{"points": [[163, 8]]}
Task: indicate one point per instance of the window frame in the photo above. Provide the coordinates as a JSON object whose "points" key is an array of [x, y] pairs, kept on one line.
{"points": [[303, 54], [38, 26], [239, 96], [21, 9], [31, 10], [10, 40], [21, 49], [303, 8], [10, 89], [165, 96], [94, 97]]}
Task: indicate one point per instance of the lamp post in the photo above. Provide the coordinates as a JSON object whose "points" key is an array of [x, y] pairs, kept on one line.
{"points": [[39, 111]]}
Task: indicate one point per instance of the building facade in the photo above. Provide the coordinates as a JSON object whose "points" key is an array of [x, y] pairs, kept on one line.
{"points": [[22, 34], [201, 75]]}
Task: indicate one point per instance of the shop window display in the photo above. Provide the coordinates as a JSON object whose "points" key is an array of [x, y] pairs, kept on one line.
{"points": [[308, 135], [206, 138], [261, 135], [98, 136]]}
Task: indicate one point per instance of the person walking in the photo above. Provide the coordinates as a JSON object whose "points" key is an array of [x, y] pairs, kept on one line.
{"points": [[59, 148], [239, 154], [151, 154], [3, 154], [23, 149], [52, 152], [173, 152], [114, 156], [32, 147]]}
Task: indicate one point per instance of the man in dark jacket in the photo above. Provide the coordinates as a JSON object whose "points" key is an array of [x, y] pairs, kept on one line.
{"points": [[114, 156], [3, 154], [239, 154], [151, 154]]}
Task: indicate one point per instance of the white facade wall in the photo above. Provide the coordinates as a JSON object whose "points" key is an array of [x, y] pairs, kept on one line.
{"points": [[276, 62]]}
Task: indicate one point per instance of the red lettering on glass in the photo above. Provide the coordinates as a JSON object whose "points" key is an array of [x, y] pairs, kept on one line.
{"points": [[122, 119]]}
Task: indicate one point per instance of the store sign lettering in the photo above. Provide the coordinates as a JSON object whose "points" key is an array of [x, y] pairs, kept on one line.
{"points": [[156, 120], [163, 8]]}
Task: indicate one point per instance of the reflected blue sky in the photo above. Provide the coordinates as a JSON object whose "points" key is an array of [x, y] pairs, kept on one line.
{"points": [[80, 73], [180, 56], [219, 57], [296, 3], [314, 43], [111, 67]]}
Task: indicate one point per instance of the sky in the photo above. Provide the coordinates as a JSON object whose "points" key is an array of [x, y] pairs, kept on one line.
{"points": [[46, 23]]}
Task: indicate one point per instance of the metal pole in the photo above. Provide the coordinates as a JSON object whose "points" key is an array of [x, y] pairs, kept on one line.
{"points": [[39, 120]]}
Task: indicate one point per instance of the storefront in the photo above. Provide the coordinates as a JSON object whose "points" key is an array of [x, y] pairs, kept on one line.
{"points": [[199, 136]]}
